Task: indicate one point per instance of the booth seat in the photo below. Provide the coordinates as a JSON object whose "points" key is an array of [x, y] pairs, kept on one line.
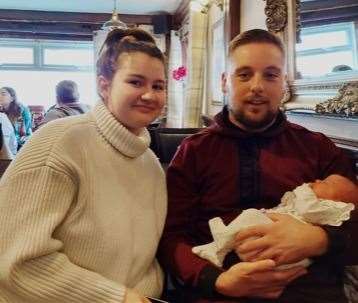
{"points": [[165, 141]]}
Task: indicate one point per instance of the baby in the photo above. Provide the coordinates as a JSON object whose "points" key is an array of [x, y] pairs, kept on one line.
{"points": [[331, 193]]}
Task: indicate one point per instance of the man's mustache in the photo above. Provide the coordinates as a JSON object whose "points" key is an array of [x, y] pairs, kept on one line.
{"points": [[256, 98]]}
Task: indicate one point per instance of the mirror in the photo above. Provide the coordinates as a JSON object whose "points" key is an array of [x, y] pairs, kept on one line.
{"points": [[323, 67], [328, 39]]}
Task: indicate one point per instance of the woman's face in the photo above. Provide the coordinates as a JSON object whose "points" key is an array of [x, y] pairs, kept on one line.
{"points": [[5, 98], [136, 94]]}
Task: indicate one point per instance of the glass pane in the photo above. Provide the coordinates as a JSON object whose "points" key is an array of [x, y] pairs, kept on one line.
{"points": [[16, 55], [323, 40], [38, 87], [70, 56], [321, 64]]}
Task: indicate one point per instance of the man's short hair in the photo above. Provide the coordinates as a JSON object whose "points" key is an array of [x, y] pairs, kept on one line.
{"points": [[67, 91], [255, 36]]}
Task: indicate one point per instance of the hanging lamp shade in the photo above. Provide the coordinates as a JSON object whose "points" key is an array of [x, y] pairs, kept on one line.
{"points": [[114, 22]]}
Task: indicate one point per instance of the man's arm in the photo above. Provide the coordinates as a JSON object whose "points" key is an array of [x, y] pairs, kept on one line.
{"points": [[342, 240], [256, 279], [183, 198], [288, 240]]}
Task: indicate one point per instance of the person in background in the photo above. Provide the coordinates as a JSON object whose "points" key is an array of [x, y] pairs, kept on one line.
{"points": [[68, 104], [9, 148], [83, 204], [249, 158], [18, 114]]}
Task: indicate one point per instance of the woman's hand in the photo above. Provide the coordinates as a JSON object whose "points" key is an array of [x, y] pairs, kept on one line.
{"points": [[134, 297]]}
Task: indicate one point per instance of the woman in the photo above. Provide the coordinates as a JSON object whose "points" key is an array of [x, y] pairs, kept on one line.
{"points": [[9, 148], [18, 114], [84, 203]]}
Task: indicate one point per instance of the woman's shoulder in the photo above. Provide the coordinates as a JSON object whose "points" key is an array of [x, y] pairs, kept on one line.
{"points": [[59, 133], [73, 127], [4, 118], [52, 146]]}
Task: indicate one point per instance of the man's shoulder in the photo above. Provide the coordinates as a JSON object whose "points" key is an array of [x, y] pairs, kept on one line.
{"points": [[65, 110], [55, 112], [69, 126], [311, 139], [305, 132], [201, 138]]}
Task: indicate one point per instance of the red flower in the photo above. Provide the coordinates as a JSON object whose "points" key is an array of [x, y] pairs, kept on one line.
{"points": [[179, 73]]}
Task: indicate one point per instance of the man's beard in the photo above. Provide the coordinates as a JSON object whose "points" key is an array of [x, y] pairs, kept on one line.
{"points": [[251, 124]]}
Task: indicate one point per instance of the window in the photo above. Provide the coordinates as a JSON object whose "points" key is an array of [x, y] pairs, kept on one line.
{"points": [[80, 57], [34, 67], [325, 47], [10, 55]]}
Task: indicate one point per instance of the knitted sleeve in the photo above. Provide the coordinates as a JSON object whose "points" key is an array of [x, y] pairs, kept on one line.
{"points": [[33, 202]]}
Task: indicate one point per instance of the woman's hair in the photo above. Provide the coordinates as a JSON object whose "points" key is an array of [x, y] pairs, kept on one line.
{"points": [[121, 41], [14, 109]]}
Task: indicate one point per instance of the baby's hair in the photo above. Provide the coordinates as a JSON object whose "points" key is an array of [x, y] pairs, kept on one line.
{"points": [[121, 41]]}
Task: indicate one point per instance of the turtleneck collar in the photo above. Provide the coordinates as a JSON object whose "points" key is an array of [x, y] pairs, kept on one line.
{"points": [[118, 135], [225, 127]]}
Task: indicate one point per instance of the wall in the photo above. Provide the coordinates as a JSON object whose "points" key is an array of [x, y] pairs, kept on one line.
{"points": [[175, 88], [209, 107], [196, 58], [252, 14]]}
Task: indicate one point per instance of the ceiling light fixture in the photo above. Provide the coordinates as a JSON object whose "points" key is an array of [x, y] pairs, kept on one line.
{"points": [[114, 22]]}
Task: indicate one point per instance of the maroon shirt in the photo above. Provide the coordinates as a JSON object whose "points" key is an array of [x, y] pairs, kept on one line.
{"points": [[223, 170]]}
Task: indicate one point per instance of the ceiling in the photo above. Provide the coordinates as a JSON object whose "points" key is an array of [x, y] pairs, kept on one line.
{"points": [[135, 7]]}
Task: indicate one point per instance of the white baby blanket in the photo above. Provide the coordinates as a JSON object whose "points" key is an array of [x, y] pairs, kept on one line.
{"points": [[301, 203]]}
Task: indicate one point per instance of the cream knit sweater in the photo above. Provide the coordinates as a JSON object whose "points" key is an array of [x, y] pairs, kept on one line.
{"points": [[82, 208]]}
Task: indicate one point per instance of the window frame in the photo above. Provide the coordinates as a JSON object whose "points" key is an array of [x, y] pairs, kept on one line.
{"points": [[39, 46]]}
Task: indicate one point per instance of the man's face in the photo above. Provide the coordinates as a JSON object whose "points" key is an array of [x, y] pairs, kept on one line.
{"points": [[255, 85]]}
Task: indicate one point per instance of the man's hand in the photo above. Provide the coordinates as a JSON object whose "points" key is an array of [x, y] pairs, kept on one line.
{"points": [[134, 297], [287, 240], [256, 279]]}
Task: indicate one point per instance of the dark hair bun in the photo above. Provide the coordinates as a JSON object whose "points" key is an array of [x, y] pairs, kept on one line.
{"points": [[129, 39], [132, 34]]}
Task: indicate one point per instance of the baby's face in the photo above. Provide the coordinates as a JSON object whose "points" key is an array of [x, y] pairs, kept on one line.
{"points": [[331, 188]]}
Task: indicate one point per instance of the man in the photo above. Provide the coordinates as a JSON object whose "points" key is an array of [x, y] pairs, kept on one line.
{"points": [[248, 159], [67, 97]]}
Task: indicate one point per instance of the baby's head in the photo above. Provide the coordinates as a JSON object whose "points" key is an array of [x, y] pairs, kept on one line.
{"points": [[336, 187]]}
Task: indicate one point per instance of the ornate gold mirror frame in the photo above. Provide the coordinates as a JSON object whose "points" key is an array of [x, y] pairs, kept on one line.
{"points": [[334, 95]]}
